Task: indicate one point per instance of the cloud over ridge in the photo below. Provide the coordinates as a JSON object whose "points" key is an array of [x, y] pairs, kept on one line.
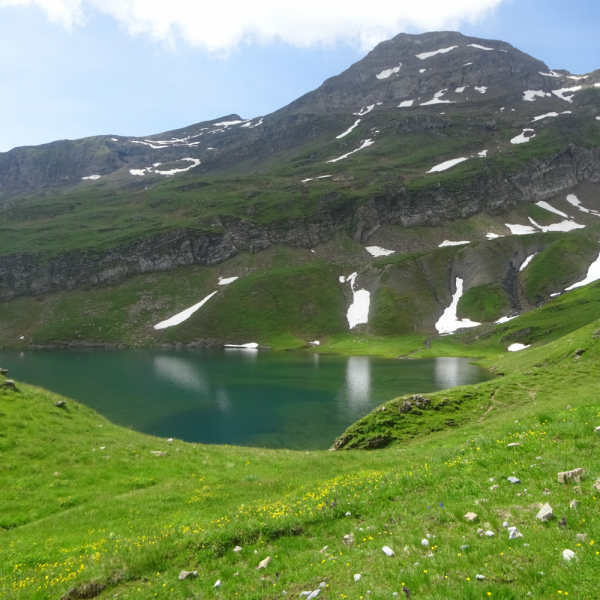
{"points": [[222, 26]]}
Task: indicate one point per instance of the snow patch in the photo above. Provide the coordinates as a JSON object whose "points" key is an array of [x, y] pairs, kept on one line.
{"points": [[437, 99], [520, 229], [349, 130], [447, 165], [184, 315], [481, 89], [526, 262], [229, 123], [423, 71], [405, 104], [364, 110], [446, 243], [250, 346], [195, 162], [530, 95], [522, 138], [358, 312], [563, 226], [227, 280], [377, 251], [448, 323], [460, 90], [365, 144], [482, 154], [114, 139], [593, 274], [478, 46], [561, 93], [547, 206], [550, 114], [425, 55], [492, 236], [160, 147], [551, 74], [137, 171], [517, 347], [467, 64], [385, 74], [505, 320], [92, 177], [573, 200]]}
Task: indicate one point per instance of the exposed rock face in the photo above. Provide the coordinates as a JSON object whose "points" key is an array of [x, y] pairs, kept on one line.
{"points": [[35, 274]]}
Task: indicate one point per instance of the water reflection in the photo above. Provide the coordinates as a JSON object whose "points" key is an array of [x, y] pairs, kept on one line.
{"points": [[357, 390], [450, 372], [182, 373]]}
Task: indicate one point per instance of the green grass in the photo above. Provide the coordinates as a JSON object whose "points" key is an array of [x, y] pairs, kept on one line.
{"points": [[86, 502]]}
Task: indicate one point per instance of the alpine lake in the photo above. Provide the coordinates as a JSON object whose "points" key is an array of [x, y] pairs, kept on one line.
{"points": [[293, 400]]}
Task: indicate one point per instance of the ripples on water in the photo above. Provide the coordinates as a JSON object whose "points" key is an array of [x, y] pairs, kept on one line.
{"points": [[235, 396]]}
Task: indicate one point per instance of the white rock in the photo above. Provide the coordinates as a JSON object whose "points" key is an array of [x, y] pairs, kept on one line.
{"points": [[471, 517], [263, 563], [545, 514], [513, 533], [506, 524], [218, 584], [465, 547], [574, 504], [428, 536], [348, 514], [489, 533], [514, 480], [313, 594], [237, 549], [322, 585], [479, 577], [357, 577], [568, 554], [388, 551], [424, 542]]}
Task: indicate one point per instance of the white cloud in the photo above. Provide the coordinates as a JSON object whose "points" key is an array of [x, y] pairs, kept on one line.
{"points": [[221, 26]]}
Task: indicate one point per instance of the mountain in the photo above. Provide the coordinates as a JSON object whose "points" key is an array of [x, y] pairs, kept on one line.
{"points": [[430, 140]]}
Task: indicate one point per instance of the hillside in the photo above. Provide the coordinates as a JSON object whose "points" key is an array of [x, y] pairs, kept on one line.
{"points": [[92, 510], [436, 157]]}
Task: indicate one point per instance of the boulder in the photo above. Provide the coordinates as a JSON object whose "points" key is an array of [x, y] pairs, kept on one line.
{"points": [[10, 385], [471, 517], [263, 563], [188, 575], [348, 539], [546, 513], [574, 475], [4, 372], [406, 407], [60, 403]]}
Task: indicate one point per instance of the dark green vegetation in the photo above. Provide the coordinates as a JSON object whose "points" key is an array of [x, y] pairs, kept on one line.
{"points": [[483, 303], [88, 507]]}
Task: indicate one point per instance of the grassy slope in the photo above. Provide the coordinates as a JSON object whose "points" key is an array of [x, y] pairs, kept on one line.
{"points": [[86, 501]]}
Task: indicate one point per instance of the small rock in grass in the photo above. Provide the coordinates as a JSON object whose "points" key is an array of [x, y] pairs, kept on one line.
{"points": [[4, 372], [357, 577], [325, 548], [596, 485], [406, 407], [263, 563], [395, 594], [424, 542], [506, 524], [388, 551], [494, 487], [513, 445], [577, 489], [170, 440], [489, 533], [471, 517], [428, 536], [218, 584], [526, 545], [581, 537], [573, 475], [430, 555], [513, 480], [545, 514], [348, 514], [256, 552], [597, 430], [563, 522], [313, 594], [188, 575], [322, 585], [574, 504], [305, 594], [348, 539], [158, 453], [10, 385], [479, 577], [546, 492], [513, 533], [568, 555], [60, 403], [480, 532], [237, 549], [465, 547]]}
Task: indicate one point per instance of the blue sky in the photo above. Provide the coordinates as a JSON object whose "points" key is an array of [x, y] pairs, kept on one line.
{"points": [[93, 69]]}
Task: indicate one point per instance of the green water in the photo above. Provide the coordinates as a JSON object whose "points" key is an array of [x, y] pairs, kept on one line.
{"points": [[290, 400]]}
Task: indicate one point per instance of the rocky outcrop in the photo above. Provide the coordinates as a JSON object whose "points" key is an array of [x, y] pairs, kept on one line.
{"points": [[491, 191]]}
